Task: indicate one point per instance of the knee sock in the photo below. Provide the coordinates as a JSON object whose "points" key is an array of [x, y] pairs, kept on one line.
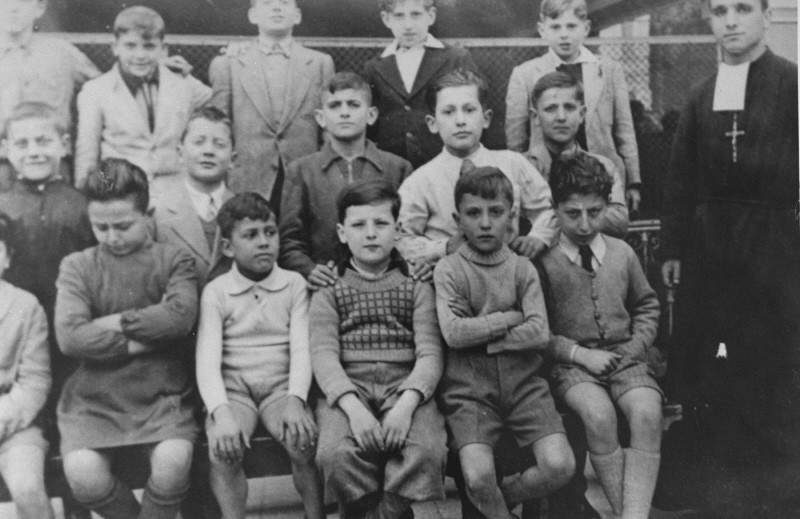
{"points": [[157, 504], [641, 473], [609, 468], [391, 506], [119, 503]]}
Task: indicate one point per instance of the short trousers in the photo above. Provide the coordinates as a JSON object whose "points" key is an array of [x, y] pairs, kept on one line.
{"points": [[484, 394]]}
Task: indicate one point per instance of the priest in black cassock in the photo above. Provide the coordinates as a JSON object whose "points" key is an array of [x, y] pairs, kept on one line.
{"points": [[731, 242]]}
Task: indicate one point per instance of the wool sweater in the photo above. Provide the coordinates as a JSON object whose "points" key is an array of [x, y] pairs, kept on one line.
{"points": [[391, 318], [24, 358], [612, 306], [504, 295]]}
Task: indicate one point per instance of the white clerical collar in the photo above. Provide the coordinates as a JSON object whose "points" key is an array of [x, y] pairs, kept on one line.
{"points": [[729, 91], [430, 42], [584, 56]]}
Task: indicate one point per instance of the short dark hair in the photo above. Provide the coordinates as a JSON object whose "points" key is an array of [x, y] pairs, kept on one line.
{"points": [[9, 233], [139, 19], [347, 80], [579, 174], [118, 179], [485, 182], [34, 110], [457, 78], [555, 8], [556, 80], [238, 207], [388, 6], [764, 4], [209, 113], [367, 192]]}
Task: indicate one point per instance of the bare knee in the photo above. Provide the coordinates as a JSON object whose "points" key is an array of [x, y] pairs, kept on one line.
{"points": [[88, 474], [557, 465], [170, 464], [646, 423], [480, 480], [600, 424]]}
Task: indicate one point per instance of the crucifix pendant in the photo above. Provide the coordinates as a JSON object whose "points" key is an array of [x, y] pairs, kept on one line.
{"points": [[734, 135]]}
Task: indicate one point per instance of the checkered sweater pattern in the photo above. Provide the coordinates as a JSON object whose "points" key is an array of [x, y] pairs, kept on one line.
{"points": [[388, 319]]}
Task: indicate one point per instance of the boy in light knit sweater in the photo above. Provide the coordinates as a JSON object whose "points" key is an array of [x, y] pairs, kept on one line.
{"points": [[603, 317], [253, 359], [377, 356], [492, 316]]}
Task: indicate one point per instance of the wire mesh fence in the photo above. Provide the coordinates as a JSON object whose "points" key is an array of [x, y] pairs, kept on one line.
{"points": [[660, 73]]}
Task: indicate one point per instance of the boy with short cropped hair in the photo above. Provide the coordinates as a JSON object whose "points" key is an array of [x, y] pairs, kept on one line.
{"points": [[49, 214], [24, 384], [309, 244], [493, 319], [559, 111], [271, 91], [36, 67], [401, 75], [608, 126], [603, 317], [186, 214], [138, 110], [458, 112], [377, 356], [253, 357]]}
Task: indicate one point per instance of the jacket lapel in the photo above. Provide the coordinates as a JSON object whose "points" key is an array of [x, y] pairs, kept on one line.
{"points": [[216, 254], [186, 225], [126, 97], [432, 62], [167, 92], [255, 85], [387, 69], [593, 85], [297, 84]]}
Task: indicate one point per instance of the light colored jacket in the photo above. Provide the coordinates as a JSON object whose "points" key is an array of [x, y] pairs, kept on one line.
{"points": [[110, 123], [240, 91], [609, 124]]}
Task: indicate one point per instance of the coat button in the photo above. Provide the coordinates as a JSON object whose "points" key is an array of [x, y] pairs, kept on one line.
{"points": [[408, 108]]}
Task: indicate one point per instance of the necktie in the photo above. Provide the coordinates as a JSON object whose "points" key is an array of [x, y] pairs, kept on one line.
{"points": [[467, 166], [212, 209], [586, 257]]}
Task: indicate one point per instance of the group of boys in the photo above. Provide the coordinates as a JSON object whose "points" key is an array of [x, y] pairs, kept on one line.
{"points": [[278, 122]]}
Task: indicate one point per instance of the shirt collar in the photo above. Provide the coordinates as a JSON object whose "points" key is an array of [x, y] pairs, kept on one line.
{"points": [[200, 199], [451, 160], [330, 156], [271, 46], [429, 43], [134, 82], [570, 248], [277, 280], [584, 56]]}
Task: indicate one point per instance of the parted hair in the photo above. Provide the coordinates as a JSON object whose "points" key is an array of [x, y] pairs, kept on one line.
{"points": [[118, 179], [139, 19], [34, 110], [367, 192], [556, 80], [209, 113], [579, 174], [240, 206], [347, 80], [555, 8], [486, 182], [457, 78]]}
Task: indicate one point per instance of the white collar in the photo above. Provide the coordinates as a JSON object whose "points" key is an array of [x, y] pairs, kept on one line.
{"points": [[474, 157], [584, 56], [430, 43], [276, 280], [267, 44], [199, 199], [730, 88], [570, 248]]}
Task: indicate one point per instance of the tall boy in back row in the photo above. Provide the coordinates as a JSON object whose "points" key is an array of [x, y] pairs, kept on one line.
{"points": [[608, 128], [401, 75], [270, 91]]}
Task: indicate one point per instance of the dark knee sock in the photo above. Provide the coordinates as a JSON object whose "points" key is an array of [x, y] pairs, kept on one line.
{"points": [[157, 504], [119, 503]]}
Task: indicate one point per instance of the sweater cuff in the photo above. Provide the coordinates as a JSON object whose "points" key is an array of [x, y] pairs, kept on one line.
{"points": [[338, 390], [422, 389]]}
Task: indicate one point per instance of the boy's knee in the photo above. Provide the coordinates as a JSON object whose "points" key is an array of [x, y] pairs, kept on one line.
{"points": [[600, 421], [479, 480], [88, 475], [646, 419], [26, 488], [559, 467], [170, 464]]}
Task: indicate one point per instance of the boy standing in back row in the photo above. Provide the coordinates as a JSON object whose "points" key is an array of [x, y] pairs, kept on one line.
{"points": [[270, 92], [400, 77], [608, 128]]}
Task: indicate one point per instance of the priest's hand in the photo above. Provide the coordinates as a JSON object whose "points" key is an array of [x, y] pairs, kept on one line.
{"points": [[633, 197], [671, 273]]}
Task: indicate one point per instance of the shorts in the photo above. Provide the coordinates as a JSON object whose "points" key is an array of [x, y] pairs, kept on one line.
{"points": [[255, 390], [484, 394], [248, 416], [630, 374], [31, 436]]}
